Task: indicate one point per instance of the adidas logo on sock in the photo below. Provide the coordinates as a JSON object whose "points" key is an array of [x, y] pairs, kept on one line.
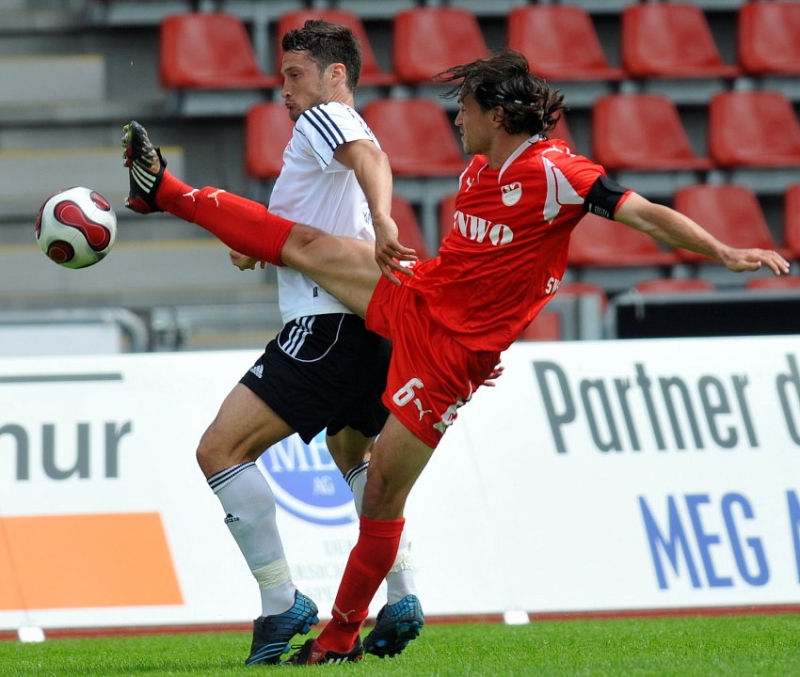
{"points": [[258, 370], [230, 518]]}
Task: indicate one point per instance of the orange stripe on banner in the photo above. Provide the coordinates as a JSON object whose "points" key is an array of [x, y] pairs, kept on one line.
{"points": [[83, 561]]}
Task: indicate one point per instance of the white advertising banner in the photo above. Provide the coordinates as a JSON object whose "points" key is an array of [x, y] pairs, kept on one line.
{"points": [[596, 476]]}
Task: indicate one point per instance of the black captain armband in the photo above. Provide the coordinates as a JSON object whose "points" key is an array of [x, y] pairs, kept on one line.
{"points": [[603, 197]]}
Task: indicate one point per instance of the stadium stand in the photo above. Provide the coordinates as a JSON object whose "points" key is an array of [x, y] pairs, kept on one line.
{"points": [[615, 256], [233, 141], [755, 137], [668, 47], [673, 285], [545, 327], [767, 38], [411, 234], [417, 135], [730, 212], [428, 40], [227, 61], [791, 221], [670, 39], [447, 206], [563, 132], [753, 129], [788, 283], [583, 289], [642, 140], [267, 130], [547, 36], [424, 171]]}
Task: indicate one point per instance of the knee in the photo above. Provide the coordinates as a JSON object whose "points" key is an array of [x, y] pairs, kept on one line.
{"points": [[212, 455]]}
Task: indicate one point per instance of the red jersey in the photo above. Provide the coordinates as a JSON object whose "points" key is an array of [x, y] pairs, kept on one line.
{"points": [[507, 252]]}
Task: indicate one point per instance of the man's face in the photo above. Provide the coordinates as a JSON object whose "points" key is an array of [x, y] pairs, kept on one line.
{"points": [[303, 85], [475, 125]]}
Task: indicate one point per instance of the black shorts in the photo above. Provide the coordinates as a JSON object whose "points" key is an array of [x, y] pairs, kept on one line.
{"points": [[324, 372]]}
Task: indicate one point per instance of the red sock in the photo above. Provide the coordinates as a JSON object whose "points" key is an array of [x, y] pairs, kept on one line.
{"points": [[243, 225], [369, 562]]}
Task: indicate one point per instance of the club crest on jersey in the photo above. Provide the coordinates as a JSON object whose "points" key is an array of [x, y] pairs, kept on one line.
{"points": [[306, 481], [511, 192]]}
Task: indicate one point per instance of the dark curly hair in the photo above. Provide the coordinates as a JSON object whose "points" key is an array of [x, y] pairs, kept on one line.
{"points": [[504, 79], [327, 43]]}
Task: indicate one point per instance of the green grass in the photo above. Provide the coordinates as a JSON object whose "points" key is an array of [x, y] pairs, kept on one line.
{"points": [[740, 646]]}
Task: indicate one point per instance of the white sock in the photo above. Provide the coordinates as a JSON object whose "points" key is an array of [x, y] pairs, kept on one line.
{"points": [[250, 511], [400, 579]]}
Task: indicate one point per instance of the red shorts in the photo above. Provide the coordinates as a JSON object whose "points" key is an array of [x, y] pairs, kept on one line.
{"points": [[430, 374]]}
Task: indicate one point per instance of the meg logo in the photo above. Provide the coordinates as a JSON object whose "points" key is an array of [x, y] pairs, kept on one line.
{"points": [[306, 481]]}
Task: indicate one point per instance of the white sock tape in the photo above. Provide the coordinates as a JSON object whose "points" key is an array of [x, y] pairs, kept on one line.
{"points": [[273, 574]]}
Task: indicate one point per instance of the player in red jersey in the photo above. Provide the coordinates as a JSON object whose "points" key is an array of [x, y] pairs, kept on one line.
{"points": [[451, 316]]}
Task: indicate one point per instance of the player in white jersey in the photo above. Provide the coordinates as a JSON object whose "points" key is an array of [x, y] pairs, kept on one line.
{"points": [[324, 371]]}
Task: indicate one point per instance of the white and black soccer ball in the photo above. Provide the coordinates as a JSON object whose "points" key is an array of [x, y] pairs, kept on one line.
{"points": [[76, 227]]}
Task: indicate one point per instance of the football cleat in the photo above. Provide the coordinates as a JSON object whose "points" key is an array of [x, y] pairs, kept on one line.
{"points": [[145, 168], [311, 653], [397, 624], [271, 634]]}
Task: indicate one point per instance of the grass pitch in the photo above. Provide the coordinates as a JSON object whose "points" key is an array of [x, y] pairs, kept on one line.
{"points": [[740, 646]]}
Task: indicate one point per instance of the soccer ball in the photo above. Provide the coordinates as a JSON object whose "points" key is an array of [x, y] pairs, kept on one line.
{"points": [[76, 227]]}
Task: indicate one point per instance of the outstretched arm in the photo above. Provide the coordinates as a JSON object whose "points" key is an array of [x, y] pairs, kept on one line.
{"points": [[677, 230]]}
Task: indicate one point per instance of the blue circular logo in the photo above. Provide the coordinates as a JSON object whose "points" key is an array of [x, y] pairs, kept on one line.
{"points": [[306, 481]]}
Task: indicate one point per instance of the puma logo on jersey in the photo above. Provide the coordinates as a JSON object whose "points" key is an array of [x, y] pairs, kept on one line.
{"points": [[422, 411]]}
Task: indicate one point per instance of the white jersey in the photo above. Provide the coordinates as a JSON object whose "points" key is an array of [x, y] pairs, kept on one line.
{"points": [[314, 188]]}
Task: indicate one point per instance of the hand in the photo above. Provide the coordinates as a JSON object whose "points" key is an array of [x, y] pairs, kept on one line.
{"points": [[389, 252], [496, 373], [243, 262], [740, 260]]}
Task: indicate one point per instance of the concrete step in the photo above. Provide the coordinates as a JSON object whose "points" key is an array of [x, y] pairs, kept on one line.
{"points": [[50, 78], [136, 274], [29, 177]]}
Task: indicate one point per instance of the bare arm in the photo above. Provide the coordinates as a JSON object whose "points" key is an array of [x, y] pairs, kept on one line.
{"points": [[374, 175], [676, 230]]}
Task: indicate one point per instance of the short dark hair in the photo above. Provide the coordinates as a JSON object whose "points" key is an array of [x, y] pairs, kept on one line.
{"points": [[327, 43], [504, 79]]}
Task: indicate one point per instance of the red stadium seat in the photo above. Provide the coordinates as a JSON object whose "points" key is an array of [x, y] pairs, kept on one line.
{"points": [[562, 131], [546, 326], [548, 35], [408, 227], [417, 136], [791, 221], [267, 130], [429, 40], [753, 129], [670, 39], [672, 285], [768, 38], [730, 212], [602, 242], [447, 207], [371, 72], [209, 51], [643, 132], [773, 283]]}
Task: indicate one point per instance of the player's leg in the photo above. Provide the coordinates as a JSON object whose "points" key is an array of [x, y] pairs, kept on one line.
{"points": [[241, 430], [401, 619], [398, 458], [344, 266]]}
